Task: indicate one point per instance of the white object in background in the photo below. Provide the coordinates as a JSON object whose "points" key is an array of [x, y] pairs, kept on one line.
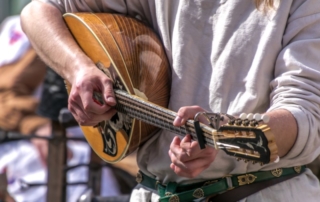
{"points": [[13, 42], [21, 162]]}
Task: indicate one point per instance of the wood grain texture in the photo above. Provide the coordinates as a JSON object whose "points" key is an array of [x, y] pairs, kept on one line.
{"points": [[133, 56]]}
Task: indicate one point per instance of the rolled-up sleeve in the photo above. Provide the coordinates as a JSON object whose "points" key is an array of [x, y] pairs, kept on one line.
{"points": [[296, 86]]}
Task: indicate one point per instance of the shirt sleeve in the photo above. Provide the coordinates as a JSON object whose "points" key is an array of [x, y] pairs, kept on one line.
{"points": [[118, 6], [144, 10], [296, 86]]}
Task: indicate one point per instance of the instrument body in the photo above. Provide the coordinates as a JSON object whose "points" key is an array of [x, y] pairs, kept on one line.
{"points": [[131, 54]]}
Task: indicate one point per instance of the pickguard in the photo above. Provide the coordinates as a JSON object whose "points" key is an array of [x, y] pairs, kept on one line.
{"points": [[119, 124]]}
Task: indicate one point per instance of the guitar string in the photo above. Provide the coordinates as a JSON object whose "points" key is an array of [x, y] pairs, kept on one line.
{"points": [[129, 105], [135, 108]]}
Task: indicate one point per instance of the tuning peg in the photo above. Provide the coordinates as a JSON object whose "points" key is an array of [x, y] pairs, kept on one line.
{"points": [[250, 116], [239, 159], [257, 117], [243, 116], [265, 118]]}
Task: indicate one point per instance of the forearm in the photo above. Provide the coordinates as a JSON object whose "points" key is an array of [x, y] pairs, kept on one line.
{"points": [[50, 37], [285, 129]]}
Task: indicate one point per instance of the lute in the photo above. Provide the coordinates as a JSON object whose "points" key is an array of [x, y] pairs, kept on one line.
{"points": [[131, 54]]}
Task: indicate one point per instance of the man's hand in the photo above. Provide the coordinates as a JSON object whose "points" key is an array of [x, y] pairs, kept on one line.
{"points": [[41, 20], [81, 103], [188, 160]]}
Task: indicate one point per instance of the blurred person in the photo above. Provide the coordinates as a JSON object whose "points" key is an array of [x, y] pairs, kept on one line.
{"points": [[24, 162], [228, 56]]}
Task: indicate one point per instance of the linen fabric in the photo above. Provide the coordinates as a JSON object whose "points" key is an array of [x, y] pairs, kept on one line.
{"points": [[227, 56]]}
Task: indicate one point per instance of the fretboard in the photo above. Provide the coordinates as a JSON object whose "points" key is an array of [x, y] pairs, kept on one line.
{"points": [[155, 115]]}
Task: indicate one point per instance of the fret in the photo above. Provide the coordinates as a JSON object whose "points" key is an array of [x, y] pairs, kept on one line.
{"points": [[132, 56], [154, 115]]}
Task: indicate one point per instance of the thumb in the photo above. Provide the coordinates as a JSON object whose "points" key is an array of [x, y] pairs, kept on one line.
{"points": [[109, 94]]}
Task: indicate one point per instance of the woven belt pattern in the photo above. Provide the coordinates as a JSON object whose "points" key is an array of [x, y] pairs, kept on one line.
{"points": [[172, 192]]}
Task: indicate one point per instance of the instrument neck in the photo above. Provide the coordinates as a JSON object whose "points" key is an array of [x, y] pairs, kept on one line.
{"points": [[157, 116]]}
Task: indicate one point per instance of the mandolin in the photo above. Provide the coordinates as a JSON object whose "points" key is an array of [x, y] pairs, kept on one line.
{"points": [[132, 55]]}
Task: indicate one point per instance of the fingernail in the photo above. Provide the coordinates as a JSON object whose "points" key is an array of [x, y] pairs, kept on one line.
{"points": [[111, 100], [177, 120]]}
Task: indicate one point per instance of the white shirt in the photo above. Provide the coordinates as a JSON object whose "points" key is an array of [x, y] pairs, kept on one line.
{"points": [[227, 56]]}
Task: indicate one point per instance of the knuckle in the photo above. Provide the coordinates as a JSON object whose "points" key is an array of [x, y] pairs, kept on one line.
{"points": [[82, 122], [197, 108], [70, 108], [179, 156], [108, 83], [76, 87], [174, 161], [72, 98], [86, 106], [182, 112]]}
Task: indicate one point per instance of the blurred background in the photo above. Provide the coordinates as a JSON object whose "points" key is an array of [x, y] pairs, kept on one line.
{"points": [[11, 7], [44, 156]]}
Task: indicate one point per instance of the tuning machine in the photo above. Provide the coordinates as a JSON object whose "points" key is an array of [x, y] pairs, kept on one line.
{"points": [[252, 120]]}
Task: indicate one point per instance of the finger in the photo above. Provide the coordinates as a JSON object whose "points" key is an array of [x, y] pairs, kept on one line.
{"points": [[90, 105], [106, 116], [191, 147], [109, 93], [85, 102], [88, 118], [191, 168], [194, 151], [185, 144], [175, 142], [189, 174], [79, 115], [176, 153], [185, 113], [175, 145], [175, 161]]}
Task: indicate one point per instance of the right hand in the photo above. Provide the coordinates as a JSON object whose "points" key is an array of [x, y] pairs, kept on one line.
{"points": [[81, 104]]}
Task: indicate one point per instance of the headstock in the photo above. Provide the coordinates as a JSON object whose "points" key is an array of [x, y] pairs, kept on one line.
{"points": [[247, 137], [252, 136]]}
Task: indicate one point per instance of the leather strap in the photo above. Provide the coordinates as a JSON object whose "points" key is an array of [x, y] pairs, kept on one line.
{"points": [[247, 190], [217, 187]]}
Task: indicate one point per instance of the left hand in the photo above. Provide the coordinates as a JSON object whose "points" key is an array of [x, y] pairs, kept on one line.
{"points": [[188, 160]]}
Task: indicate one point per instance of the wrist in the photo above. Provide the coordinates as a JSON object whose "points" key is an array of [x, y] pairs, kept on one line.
{"points": [[77, 67]]}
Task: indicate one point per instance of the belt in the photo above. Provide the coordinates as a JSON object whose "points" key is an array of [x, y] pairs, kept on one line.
{"points": [[172, 192]]}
